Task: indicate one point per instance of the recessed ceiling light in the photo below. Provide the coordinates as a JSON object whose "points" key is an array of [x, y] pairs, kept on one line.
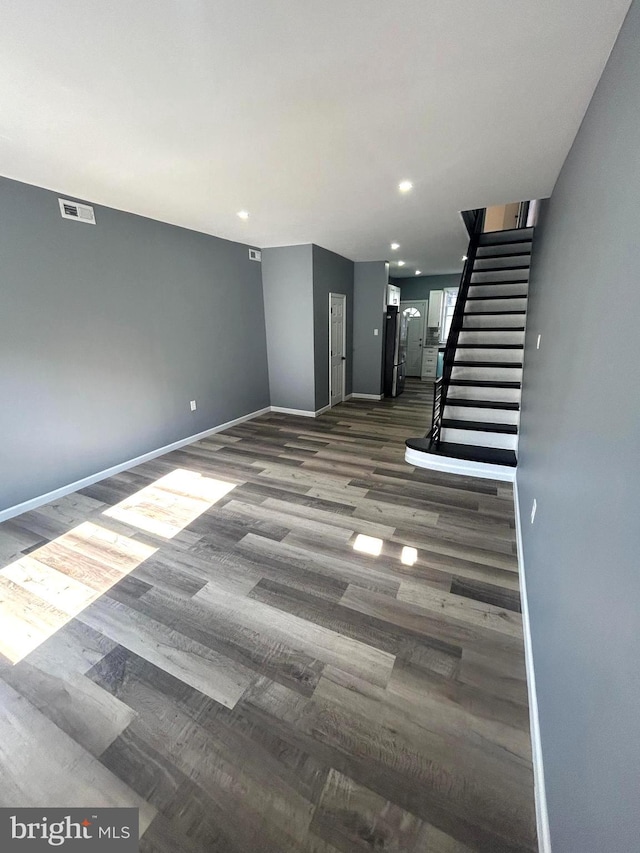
{"points": [[405, 186], [243, 214], [400, 263], [418, 272], [395, 246], [464, 258]]}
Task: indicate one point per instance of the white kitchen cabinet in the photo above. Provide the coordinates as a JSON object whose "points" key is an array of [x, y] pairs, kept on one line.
{"points": [[434, 313]]}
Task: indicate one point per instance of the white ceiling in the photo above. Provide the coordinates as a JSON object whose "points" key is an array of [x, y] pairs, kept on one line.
{"points": [[306, 113]]}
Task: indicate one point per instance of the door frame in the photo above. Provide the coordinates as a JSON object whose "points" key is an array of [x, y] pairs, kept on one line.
{"points": [[424, 302], [343, 296]]}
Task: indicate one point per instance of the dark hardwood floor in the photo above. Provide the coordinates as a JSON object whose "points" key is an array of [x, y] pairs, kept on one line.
{"points": [[281, 638]]}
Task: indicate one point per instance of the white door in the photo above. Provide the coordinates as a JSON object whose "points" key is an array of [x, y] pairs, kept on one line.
{"points": [[415, 314], [337, 346]]}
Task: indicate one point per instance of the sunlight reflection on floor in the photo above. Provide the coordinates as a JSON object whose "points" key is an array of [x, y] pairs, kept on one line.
{"points": [[42, 591], [171, 503]]}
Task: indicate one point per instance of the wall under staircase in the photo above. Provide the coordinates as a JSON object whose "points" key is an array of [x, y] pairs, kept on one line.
{"points": [[478, 431]]}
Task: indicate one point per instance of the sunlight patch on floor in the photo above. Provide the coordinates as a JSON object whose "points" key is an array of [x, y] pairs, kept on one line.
{"points": [[368, 544], [171, 503], [409, 555], [41, 592]]}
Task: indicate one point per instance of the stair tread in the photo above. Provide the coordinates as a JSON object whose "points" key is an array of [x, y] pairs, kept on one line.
{"points": [[492, 455], [465, 363], [485, 313], [463, 402], [479, 426], [484, 383]]}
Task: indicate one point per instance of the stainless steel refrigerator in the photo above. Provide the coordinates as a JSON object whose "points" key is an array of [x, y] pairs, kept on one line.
{"points": [[395, 355]]}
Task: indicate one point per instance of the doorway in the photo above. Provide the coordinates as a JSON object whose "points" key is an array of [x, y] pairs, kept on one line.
{"points": [[414, 314], [337, 347]]}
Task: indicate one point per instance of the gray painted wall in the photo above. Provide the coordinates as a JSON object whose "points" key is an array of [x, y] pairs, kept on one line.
{"points": [[287, 278], [331, 274], [369, 297], [108, 331], [421, 286], [579, 458]]}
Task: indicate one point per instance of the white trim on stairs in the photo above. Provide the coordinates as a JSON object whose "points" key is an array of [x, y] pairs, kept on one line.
{"points": [[34, 503], [465, 467], [542, 814]]}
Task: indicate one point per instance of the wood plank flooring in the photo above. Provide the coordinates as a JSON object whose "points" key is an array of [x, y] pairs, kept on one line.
{"points": [[208, 646]]}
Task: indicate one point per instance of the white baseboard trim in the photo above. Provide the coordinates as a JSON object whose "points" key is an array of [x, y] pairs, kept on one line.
{"points": [[34, 503], [355, 396], [301, 413], [347, 398], [449, 465], [542, 814]]}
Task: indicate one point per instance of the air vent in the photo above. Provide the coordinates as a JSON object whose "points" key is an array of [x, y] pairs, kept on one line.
{"points": [[75, 210], [255, 255]]}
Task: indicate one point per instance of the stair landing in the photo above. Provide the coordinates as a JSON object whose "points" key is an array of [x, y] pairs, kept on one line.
{"points": [[490, 463]]}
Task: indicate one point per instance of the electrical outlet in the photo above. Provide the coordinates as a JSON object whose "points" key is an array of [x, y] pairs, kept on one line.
{"points": [[193, 405], [375, 331], [538, 344], [534, 507]]}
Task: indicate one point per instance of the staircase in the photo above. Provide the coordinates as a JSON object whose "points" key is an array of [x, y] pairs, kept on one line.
{"points": [[477, 400]]}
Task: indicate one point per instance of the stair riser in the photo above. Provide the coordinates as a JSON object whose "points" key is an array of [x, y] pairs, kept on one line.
{"points": [[519, 289], [496, 305], [501, 275], [464, 354], [480, 337], [494, 416], [490, 322], [488, 374], [514, 236], [510, 249], [477, 438], [511, 260], [503, 395]]}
